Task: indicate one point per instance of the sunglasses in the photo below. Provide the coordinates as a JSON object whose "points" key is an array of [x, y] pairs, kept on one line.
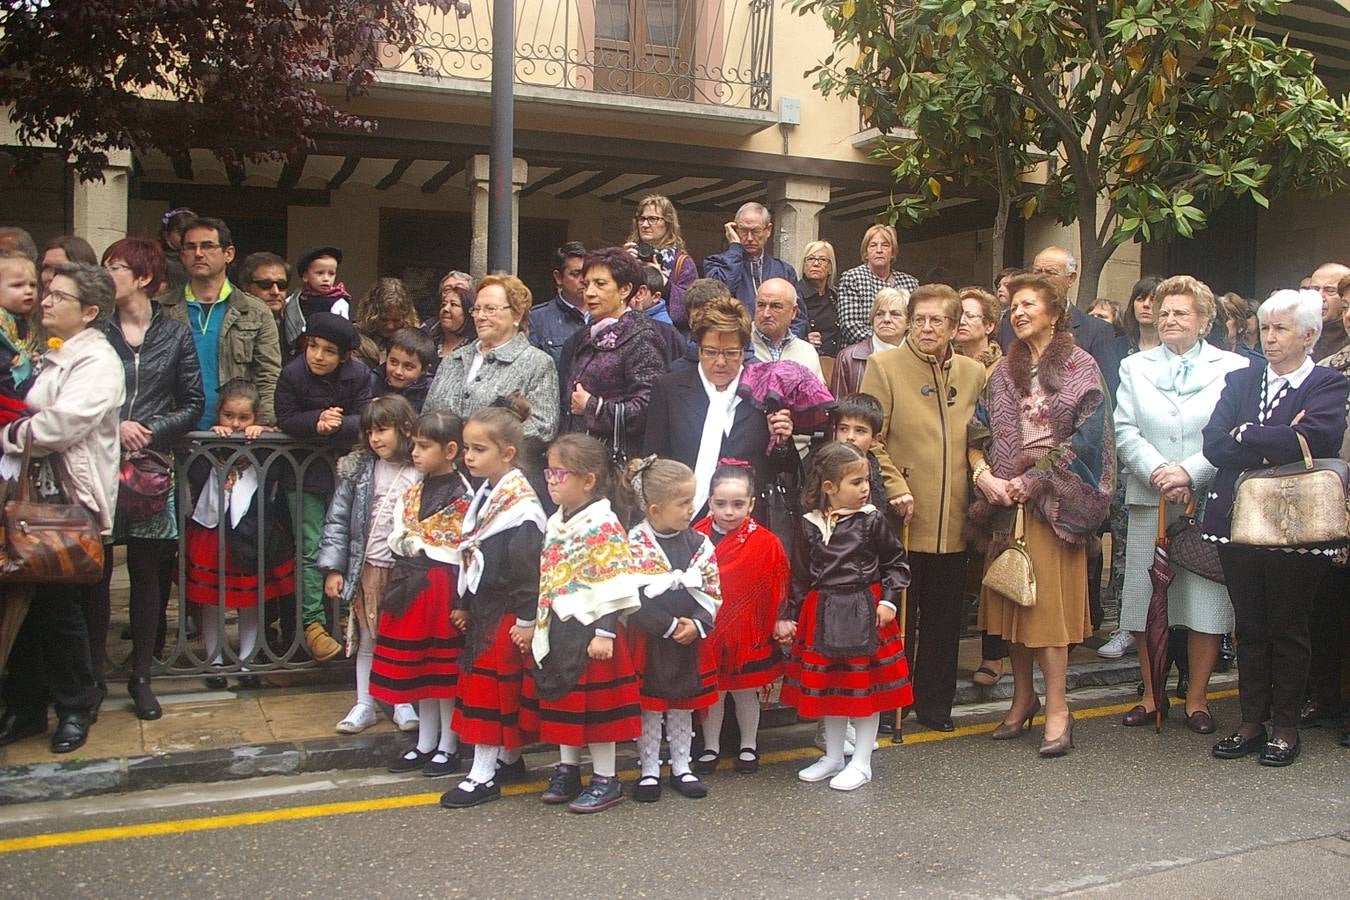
{"points": [[267, 283]]}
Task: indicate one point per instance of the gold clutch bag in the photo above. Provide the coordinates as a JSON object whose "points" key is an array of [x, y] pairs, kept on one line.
{"points": [[1010, 573], [1297, 505]]}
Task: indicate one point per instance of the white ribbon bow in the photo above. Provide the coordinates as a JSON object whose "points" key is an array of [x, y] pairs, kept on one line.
{"points": [[689, 579]]}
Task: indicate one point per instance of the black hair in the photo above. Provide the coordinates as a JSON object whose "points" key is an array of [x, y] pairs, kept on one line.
{"points": [[440, 426], [623, 268], [389, 411], [858, 406], [254, 261], [654, 280], [733, 471], [569, 250], [829, 462], [217, 225], [238, 389], [415, 342]]}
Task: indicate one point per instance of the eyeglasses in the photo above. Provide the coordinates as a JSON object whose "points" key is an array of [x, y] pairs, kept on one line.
{"points": [[819, 259], [268, 283], [730, 354], [757, 231], [488, 309], [650, 220], [921, 322], [555, 474], [971, 316], [58, 296], [204, 246], [116, 267]]}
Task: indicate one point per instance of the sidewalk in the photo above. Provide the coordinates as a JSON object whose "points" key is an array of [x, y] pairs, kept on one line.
{"points": [[286, 728]]}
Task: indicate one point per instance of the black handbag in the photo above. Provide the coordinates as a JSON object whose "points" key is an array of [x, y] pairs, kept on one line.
{"points": [[1190, 551]]}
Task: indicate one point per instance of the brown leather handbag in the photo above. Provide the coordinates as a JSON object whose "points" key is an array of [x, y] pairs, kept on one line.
{"points": [[48, 543]]}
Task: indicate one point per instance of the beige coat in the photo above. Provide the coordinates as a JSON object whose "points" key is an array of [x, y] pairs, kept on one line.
{"points": [[926, 406], [77, 397]]}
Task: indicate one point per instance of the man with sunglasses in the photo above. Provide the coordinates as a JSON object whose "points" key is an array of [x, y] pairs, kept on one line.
{"points": [[234, 331]]}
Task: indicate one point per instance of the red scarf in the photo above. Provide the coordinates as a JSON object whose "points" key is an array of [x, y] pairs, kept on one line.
{"points": [[754, 572]]}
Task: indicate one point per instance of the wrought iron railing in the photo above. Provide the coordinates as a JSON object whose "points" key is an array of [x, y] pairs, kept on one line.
{"points": [[717, 52]]}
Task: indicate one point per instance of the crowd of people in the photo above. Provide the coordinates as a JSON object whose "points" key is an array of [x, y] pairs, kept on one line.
{"points": [[700, 537]]}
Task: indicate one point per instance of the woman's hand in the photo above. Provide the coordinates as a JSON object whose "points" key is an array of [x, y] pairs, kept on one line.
{"points": [[814, 338], [1017, 489], [332, 585], [580, 397], [686, 632], [995, 489], [631, 247], [780, 424], [785, 631], [600, 647], [885, 615], [135, 436], [1168, 479], [521, 636], [459, 618], [1179, 496], [903, 506]]}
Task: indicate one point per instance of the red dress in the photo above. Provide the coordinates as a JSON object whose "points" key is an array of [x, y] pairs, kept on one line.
{"points": [[754, 572], [601, 708]]}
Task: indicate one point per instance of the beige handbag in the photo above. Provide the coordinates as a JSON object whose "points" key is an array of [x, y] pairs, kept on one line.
{"points": [[1297, 505], [1010, 574]]}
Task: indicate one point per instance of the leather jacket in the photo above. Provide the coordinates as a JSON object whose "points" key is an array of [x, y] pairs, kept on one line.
{"points": [[163, 377]]}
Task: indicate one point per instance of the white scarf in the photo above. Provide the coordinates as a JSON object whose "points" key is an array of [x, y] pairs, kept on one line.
{"points": [[237, 500], [825, 522], [716, 426], [656, 576], [522, 506]]}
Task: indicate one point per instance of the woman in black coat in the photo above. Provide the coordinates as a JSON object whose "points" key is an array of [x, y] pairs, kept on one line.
{"points": [[1262, 412], [164, 401]]}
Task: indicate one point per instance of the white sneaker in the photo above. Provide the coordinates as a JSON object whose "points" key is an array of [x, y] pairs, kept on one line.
{"points": [[821, 769], [851, 778], [1120, 643], [405, 717], [361, 717]]}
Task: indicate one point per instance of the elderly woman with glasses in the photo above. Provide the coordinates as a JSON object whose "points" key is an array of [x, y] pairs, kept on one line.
{"points": [[499, 362], [890, 321], [820, 299], [657, 225]]}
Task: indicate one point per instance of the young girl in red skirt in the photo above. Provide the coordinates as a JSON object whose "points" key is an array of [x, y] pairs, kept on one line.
{"points": [[236, 509], [498, 597], [582, 689], [417, 648], [680, 598], [754, 572], [848, 658]]}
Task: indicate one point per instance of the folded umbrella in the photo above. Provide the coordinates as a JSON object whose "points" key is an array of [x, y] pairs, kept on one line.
{"points": [[774, 386], [1155, 624]]}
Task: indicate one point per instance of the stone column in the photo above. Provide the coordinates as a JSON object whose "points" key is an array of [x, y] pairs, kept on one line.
{"points": [[99, 209], [796, 202], [476, 180]]}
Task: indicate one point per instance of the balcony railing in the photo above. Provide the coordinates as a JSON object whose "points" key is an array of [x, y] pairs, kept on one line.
{"points": [[716, 52]]}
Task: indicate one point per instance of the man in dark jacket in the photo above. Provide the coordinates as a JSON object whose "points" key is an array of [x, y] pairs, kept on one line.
{"points": [[557, 318], [746, 263]]}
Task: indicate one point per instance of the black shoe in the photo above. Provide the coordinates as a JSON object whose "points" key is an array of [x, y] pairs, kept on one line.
{"points": [[1278, 752], [887, 723], [72, 730], [1235, 746], [1227, 654], [647, 789], [216, 682], [508, 773], [936, 724], [689, 785], [1183, 687], [14, 727], [706, 763], [143, 699], [458, 798], [410, 761], [747, 766], [564, 786], [1315, 715], [602, 793], [249, 682], [448, 766]]}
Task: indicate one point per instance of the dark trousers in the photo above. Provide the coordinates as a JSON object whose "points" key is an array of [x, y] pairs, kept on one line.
{"points": [[1327, 627], [50, 661], [933, 629], [1272, 594], [150, 573]]}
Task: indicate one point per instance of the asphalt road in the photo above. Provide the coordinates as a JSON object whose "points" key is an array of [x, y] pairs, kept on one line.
{"points": [[1127, 813]]}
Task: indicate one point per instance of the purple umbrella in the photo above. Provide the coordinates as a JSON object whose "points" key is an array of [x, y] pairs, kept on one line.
{"points": [[774, 386], [1155, 623]]}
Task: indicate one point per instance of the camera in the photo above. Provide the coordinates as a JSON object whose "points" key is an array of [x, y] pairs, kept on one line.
{"points": [[646, 252]]}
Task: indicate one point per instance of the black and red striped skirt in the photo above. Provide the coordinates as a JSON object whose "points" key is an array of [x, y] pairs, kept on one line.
{"points": [[744, 668], [855, 686], [487, 700], [601, 708], [201, 553], [417, 653], [707, 677]]}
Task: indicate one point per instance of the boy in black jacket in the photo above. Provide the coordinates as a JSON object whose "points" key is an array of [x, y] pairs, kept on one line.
{"points": [[407, 368]]}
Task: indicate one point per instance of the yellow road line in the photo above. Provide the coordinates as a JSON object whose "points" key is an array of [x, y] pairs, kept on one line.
{"points": [[319, 810]]}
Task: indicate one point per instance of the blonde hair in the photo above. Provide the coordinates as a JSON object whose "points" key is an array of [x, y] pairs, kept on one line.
{"points": [[825, 248], [385, 295], [989, 306], [1191, 287], [518, 297], [674, 237], [890, 295], [872, 232], [653, 481]]}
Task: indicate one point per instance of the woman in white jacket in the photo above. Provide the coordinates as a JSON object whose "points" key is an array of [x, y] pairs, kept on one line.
{"points": [[75, 400], [1166, 397]]}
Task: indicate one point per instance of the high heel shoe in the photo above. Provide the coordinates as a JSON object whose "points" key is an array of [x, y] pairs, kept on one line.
{"points": [[1006, 732], [1060, 745], [143, 699]]}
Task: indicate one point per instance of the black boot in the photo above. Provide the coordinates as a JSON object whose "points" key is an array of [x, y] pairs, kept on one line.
{"points": [[143, 699]]}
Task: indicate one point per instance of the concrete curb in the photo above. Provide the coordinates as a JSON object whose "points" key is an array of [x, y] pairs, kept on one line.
{"points": [[85, 778]]}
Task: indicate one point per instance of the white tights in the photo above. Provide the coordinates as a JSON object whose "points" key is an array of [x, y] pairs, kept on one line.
{"points": [[214, 638], [433, 727], [679, 729], [835, 729], [747, 719], [603, 758], [365, 659]]}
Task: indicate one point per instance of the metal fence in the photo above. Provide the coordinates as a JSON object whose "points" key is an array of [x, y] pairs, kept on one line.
{"points": [[716, 52]]}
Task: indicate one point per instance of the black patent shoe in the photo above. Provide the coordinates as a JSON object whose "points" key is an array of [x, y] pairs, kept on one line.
{"points": [[936, 724], [647, 789], [72, 730], [564, 786], [1315, 715], [143, 699], [410, 761], [706, 763], [14, 727], [745, 766], [216, 682], [886, 725], [439, 763], [1235, 746], [689, 785], [1278, 753], [510, 772], [603, 792], [478, 794]]}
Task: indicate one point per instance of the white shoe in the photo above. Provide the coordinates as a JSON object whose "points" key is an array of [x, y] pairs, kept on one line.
{"points": [[851, 778], [361, 717], [1120, 643], [821, 769], [405, 717]]}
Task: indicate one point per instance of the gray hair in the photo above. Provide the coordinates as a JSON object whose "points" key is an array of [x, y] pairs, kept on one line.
{"points": [[753, 207], [94, 287], [23, 241], [1304, 305]]}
